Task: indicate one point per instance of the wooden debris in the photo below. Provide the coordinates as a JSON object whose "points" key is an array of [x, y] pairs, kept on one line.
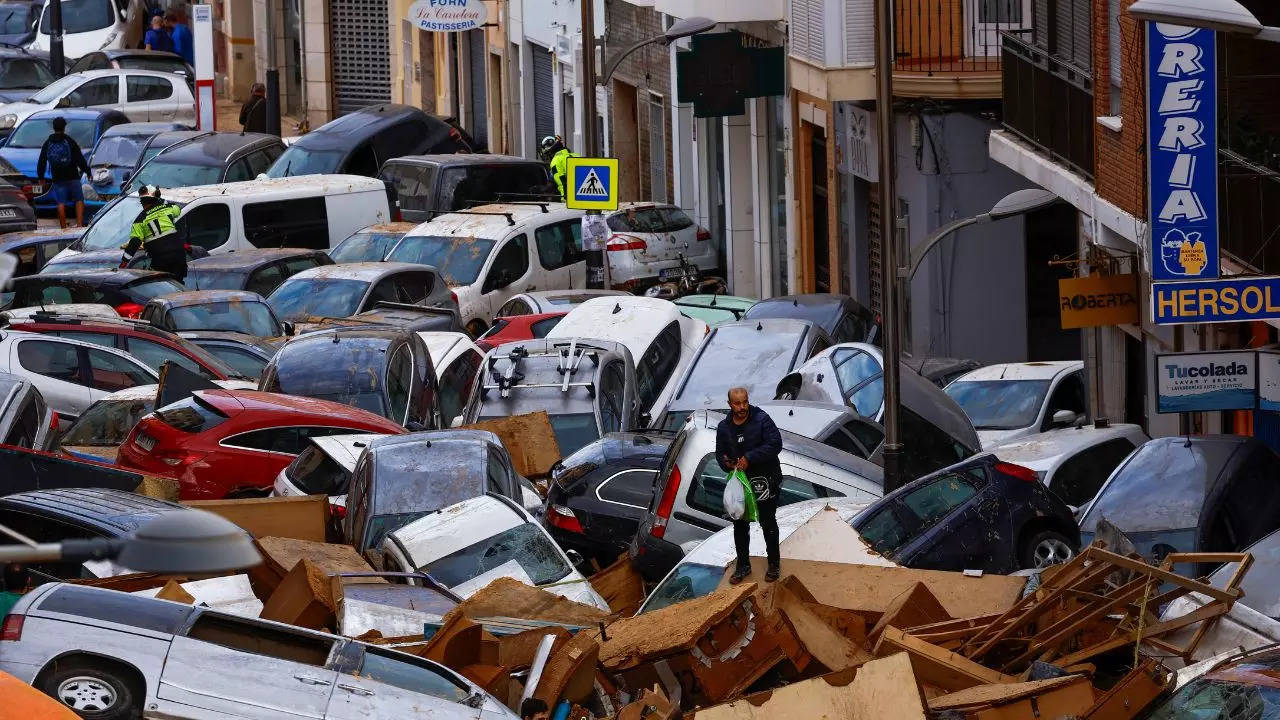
{"points": [[620, 586], [172, 590], [1133, 693], [1064, 697], [301, 518], [302, 598], [916, 606], [508, 597], [936, 666], [528, 439]]}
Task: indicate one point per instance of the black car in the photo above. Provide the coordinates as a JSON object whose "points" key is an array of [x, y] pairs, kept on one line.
{"points": [[387, 372], [981, 514], [844, 319], [599, 494], [126, 290], [135, 59], [1216, 493], [248, 354], [426, 184], [108, 259], [358, 143], [183, 158], [22, 73], [76, 513], [16, 213], [939, 370], [260, 270]]}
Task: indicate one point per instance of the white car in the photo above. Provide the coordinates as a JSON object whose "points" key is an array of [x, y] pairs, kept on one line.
{"points": [[456, 360], [661, 339], [470, 544], [489, 253], [1013, 400], [1074, 462], [90, 25], [142, 95], [646, 243], [550, 301], [70, 374], [324, 467]]}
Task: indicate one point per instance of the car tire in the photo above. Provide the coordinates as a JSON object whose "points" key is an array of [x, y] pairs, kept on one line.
{"points": [[94, 690], [1045, 548]]}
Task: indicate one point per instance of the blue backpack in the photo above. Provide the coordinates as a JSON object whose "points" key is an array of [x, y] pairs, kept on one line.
{"points": [[59, 154]]}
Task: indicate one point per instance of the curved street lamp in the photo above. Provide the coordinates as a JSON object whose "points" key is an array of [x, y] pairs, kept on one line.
{"points": [[1221, 15], [1015, 203], [679, 29]]}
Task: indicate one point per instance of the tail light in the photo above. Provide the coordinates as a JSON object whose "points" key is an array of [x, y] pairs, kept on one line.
{"points": [[129, 309], [668, 501], [703, 233], [53, 420], [31, 191], [562, 517], [12, 628], [454, 296], [338, 511], [1024, 474], [179, 458], [625, 242]]}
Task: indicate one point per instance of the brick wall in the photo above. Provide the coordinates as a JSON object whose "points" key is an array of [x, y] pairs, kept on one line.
{"points": [[649, 71], [1120, 162]]}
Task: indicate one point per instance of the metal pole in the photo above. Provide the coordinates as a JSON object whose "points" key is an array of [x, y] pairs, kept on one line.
{"points": [[273, 73], [597, 260], [57, 62], [889, 281]]}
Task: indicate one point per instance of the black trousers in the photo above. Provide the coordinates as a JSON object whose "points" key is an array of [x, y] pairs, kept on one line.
{"points": [[768, 512]]}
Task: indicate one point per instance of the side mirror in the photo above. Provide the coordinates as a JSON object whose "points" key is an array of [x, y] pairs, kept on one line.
{"points": [[575, 558], [1065, 418], [288, 328]]}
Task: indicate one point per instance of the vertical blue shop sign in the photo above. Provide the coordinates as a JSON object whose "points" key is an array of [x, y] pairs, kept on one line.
{"points": [[1182, 152]]}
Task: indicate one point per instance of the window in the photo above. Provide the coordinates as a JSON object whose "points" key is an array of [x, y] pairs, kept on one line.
{"points": [[931, 447], [145, 88], [257, 162], [674, 219], [525, 544], [937, 499], [1069, 395], [60, 361], [103, 339], [455, 384], [655, 367], [26, 423], [612, 398], [861, 381], [399, 139], [112, 372], [542, 328], [510, 264], [1078, 479], [358, 500], [208, 225], [293, 266], [409, 673], [279, 440], [238, 171], [302, 222], [475, 184], [706, 492], [496, 474], [641, 220], [360, 162], [884, 531], [515, 307], [629, 487], [49, 249], [191, 414], [153, 355], [259, 639], [852, 328], [245, 363], [412, 184], [101, 91], [557, 246], [264, 280], [399, 383], [161, 617], [412, 287]]}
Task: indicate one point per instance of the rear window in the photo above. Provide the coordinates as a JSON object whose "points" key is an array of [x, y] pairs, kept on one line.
{"points": [[470, 185], [115, 607], [154, 288], [191, 415], [315, 473], [106, 422], [1176, 472]]}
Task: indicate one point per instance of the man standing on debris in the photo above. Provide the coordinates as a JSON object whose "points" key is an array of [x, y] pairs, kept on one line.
{"points": [[748, 440]]}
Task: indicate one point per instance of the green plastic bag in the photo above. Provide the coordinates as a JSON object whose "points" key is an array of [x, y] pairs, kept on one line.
{"points": [[737, 481]]}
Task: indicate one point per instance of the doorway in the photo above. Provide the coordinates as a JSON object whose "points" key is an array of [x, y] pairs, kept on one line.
{"points": [[1050, 236], [818, 180]]}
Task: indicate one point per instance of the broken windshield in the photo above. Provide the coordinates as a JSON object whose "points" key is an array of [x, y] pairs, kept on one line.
{"points": [[525, 545]]}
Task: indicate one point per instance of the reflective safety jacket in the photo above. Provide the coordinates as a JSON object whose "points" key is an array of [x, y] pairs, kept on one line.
{"points": [[154, 226], [560, 169]]}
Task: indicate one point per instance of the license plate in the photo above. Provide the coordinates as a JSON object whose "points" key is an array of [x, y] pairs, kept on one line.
{"points": [[675, 272], [144, 441], [8, 213]]}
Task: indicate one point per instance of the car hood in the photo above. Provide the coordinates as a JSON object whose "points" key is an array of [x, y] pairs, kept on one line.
{"points": [[991, 438], [15, 95], [21, 109], [24, 159]]}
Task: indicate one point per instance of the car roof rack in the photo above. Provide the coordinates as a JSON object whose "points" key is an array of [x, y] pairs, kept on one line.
{"points": [[569, 357], [54, 317], [543, 204], [437, 213]]}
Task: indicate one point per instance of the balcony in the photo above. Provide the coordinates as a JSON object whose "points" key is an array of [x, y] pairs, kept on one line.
{"points": [[1048, 102]]}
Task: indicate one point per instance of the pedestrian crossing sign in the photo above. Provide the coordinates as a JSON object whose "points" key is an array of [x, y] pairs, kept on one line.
{"points": [[593, 184]]}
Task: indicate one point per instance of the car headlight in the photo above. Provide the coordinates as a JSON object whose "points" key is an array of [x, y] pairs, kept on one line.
{"points": [[8, 120]]}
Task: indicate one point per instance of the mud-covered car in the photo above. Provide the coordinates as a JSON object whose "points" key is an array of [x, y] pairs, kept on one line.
{"points": [[222, 310]]}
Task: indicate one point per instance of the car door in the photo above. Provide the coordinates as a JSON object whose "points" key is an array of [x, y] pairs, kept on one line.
{"points": [[151, 98], [107, 372], [560, 256], [457, 382], [279, 672], [103, 92], [387, 684], [54, 368], [1068, 394], [956, 524], [512, 270]]}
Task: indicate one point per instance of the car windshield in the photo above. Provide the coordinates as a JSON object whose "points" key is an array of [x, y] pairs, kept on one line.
{"points": [[147, 289], [111, 226], [380, 525], [300, 298], [999, 404], [350, 382], [16, 19], [251, 318], [575, 431], [22, 73], [689, 581], [470, 185], [315, 473], [301, 161], [459, 259], [740, 356], [1261, 584], [1176, 472], [524, 545], [82, 261], [173, 174], [118, 150], [1229, 694], [80, 16], [34, 131], [368, 246], [56, 89], [158, 64], [106, 422]]}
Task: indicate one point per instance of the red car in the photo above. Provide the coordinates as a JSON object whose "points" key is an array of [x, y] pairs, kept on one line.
{"points": [[518, 327], [150, 345], [233, 443]]}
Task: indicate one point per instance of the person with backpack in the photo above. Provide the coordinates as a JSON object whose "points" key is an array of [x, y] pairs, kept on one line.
{"points": [[66, 164]]}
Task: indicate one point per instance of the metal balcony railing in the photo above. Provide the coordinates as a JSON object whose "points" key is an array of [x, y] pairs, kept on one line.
{"points": [[954, 36], [1049, 103]]}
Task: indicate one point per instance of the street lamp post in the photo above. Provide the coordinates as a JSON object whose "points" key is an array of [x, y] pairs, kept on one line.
{"points": [[1016, 203]]}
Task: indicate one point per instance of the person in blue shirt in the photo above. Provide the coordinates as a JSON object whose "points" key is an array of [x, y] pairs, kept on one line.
{"points": [[157, 37], [183, 41]]}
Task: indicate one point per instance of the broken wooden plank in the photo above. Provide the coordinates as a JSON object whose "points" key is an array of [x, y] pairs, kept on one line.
{"points": [[938, 666], [986, 696]]}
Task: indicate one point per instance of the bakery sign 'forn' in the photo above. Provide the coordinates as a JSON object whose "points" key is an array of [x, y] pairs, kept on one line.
{"points": [[448, 15]]}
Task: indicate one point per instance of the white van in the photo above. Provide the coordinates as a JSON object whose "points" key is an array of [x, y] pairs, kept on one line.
{"points": [[92, 25], [308, 211]]}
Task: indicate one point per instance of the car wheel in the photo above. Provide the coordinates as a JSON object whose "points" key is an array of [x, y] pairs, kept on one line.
{"points": [[1045, 548], [95, 691], [475, 329]]}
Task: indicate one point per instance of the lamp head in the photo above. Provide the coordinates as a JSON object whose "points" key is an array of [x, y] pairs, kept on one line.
{"points": [[1222, 15], [1021, 202], [188, 541], [688, 26]]}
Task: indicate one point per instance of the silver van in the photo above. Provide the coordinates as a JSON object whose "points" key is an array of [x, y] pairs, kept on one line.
{"points": [[686, 507]]}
